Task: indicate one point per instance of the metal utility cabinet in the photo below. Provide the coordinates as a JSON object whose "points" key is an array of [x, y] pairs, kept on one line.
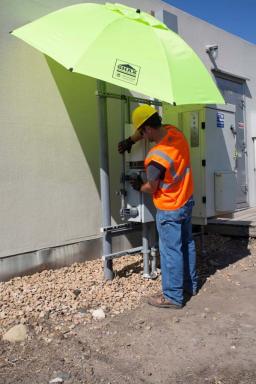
{"points": [[211, 133], [212, 136]]}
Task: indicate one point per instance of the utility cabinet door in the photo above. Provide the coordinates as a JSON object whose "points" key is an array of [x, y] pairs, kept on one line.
{"points": [[220, 150], [233, 93], [192, 129]]}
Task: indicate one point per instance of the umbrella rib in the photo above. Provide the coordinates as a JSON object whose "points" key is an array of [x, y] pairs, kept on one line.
{"points": [[154, 30], [89, 46], [169, 72]]}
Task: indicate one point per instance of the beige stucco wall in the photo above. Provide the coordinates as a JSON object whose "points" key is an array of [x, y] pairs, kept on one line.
{"points": [[49, 168]]}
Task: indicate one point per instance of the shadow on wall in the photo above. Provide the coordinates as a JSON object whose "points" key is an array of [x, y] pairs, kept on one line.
{"points": [[78, 94]]}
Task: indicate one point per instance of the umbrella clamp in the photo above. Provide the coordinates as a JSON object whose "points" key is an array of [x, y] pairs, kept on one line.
{"points": [[128, 98]]}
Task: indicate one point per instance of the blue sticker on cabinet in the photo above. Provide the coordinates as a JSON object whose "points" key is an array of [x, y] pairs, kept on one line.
{"points": [[220, 120]]}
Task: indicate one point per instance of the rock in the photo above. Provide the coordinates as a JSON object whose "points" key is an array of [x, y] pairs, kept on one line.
{"points": [[89, 371], [62, 375], [16, 333], [47, 340], [98, 314], [77, 292], [56, 380], [82, 310]]}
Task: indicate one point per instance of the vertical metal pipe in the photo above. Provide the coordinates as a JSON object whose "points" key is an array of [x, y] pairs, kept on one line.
{"points": [[145, 250], [128, 109], [153, 261], [202, 242], [254, 147], [104, 179]]}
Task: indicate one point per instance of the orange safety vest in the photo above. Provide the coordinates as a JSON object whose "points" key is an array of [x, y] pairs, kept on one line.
{"points": [[172, 152]]}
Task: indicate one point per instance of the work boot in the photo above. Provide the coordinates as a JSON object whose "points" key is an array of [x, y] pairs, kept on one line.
{"points": [[161, 302]]}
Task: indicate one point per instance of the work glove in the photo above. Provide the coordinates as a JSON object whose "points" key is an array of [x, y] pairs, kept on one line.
{"points": [[125, 145], [136, 182]]}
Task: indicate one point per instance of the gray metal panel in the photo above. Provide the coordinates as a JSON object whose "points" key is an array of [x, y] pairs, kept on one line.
{"points": [[233, 93], [142, 202], [219, 149], [224, 187]]}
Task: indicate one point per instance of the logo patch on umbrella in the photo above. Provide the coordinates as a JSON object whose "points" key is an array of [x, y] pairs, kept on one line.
{"points": [[126, 72]]}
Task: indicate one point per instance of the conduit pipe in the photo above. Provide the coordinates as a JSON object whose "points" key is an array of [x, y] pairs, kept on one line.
{"points": [[104, 178]]}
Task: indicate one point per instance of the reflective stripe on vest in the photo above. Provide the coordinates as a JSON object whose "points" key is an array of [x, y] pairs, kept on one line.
{"points": [[177, 179], [165, 157]]}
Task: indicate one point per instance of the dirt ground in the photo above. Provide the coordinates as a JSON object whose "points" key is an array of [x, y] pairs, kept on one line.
{"points": [[212, 340]]}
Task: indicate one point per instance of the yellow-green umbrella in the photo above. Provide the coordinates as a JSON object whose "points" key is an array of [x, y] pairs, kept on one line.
{"points": [[125, 47]]}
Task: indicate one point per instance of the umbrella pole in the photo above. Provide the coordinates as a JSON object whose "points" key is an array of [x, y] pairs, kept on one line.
{"points": [[123, 120], [104, 179]]}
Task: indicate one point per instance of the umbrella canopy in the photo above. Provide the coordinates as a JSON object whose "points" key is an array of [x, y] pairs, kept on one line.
{"points": [[125, 47]]}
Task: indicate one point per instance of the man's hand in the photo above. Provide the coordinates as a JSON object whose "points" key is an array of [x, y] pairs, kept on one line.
{"points": [[136, 182], [150, 186], [125, 145]]}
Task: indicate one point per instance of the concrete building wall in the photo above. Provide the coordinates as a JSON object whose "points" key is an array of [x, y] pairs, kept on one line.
{"points": [[49, 145]]}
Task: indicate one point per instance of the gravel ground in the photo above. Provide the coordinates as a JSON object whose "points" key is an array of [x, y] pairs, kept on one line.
{"points": [[211, 340], [68, 295]]}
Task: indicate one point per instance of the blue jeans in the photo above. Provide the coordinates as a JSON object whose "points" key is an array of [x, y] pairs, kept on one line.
{"points": [[177, 252]]}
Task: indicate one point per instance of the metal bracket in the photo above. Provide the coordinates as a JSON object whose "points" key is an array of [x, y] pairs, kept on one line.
{"points": [[128, 98], [122, 253], [116, 227]]}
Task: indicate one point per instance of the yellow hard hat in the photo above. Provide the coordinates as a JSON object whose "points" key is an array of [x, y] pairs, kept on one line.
{"points": [[141, 114]]}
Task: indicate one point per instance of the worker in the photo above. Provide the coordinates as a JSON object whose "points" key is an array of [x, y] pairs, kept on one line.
{"points": [[169, 180]]}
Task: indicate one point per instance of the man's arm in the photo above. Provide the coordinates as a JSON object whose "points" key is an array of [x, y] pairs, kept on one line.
{"points": [[155, 173], [147, 187], [137, 136], [126, 145], [150, 186]]}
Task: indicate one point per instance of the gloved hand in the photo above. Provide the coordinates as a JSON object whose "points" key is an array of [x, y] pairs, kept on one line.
{"points": [[136, 182], [125, 145]]}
